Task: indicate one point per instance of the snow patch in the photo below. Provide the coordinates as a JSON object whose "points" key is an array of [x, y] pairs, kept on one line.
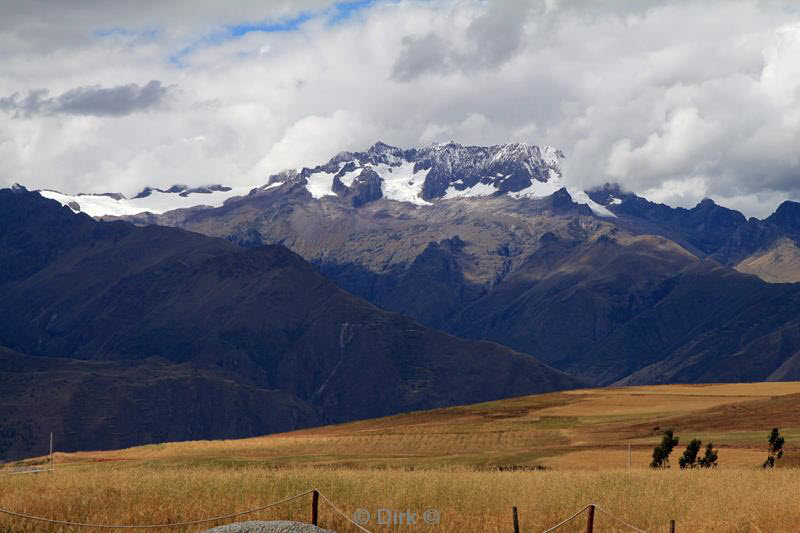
{"points": [[580, 197], [538, 189], [402, 184], [479, 189], [349, 177], [320, 184], [156, 202]]}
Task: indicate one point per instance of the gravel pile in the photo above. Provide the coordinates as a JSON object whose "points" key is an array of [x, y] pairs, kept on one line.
{"points": [[273, 526]]}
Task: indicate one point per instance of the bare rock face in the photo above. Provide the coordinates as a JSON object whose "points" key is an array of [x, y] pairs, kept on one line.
{"points": [[787, 217], [364, 189], [180, 190]]}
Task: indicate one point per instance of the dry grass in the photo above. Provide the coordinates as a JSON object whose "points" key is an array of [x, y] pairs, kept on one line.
{"points": [[455, 460], [721, 501]]}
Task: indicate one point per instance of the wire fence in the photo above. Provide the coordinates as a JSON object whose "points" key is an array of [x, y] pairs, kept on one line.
{"points": [[590, 508], [564, 522], [184, 524]]}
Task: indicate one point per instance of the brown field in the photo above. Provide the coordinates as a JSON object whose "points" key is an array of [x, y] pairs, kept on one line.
{"points": [[548, 454]]}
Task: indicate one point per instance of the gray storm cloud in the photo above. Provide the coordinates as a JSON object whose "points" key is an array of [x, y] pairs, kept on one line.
{"points": [[491, 39], [93, 100], [421, 55]]}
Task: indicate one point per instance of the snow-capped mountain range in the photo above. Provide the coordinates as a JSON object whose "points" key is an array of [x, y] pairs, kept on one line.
{"points": [[420, 176]]}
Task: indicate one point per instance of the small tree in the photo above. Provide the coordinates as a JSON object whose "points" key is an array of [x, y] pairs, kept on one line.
{"points": [[775, 448], [709, 460], [689, 457], [662, 451]]}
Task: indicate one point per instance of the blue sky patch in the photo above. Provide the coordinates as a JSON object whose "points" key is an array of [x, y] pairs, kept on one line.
{"points": [[290, 24], [342, 11], [336, 14]]}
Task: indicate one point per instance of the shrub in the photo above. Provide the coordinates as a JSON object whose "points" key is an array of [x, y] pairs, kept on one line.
{"points": [[662, 451], [709, 460], [775, 448], [689, 457]]}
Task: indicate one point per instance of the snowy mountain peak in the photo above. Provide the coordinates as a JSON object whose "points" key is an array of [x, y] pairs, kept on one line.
{"points": [[441, 171], [382, 148], [420, 176]]}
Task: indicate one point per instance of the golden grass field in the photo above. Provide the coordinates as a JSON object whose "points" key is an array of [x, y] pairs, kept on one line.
{"points": [[548, 454]]}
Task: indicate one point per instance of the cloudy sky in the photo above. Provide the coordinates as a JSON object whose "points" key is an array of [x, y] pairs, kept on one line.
{"points": [[674, 100]]}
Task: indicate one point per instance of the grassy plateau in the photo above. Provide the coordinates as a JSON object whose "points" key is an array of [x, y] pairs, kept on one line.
{"points": [[549, 455]]}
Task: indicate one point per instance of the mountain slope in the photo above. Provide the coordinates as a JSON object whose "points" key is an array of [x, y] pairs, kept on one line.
{"points": [[641, 310], [386, 251], [104, 404], [761, 247], [542, 276], [778, 262], [82, 289], [569, 296]]}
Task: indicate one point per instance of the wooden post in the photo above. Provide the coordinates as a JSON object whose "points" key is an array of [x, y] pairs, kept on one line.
{"points": [[590, 520], [672, 526], [314, 508], [51, 451], [516, 519]]}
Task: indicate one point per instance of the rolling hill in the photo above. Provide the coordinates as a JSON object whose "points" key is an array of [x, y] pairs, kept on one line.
{"points": [[581, 429]]}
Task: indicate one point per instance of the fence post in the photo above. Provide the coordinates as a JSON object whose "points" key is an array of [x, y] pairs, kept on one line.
{"points": [[51, 451], [516, 519], [672, 526], [314, 508], [590, 520]]}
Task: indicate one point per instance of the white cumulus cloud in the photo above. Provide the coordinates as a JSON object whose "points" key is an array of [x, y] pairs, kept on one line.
{"points": [[677, 99]]}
